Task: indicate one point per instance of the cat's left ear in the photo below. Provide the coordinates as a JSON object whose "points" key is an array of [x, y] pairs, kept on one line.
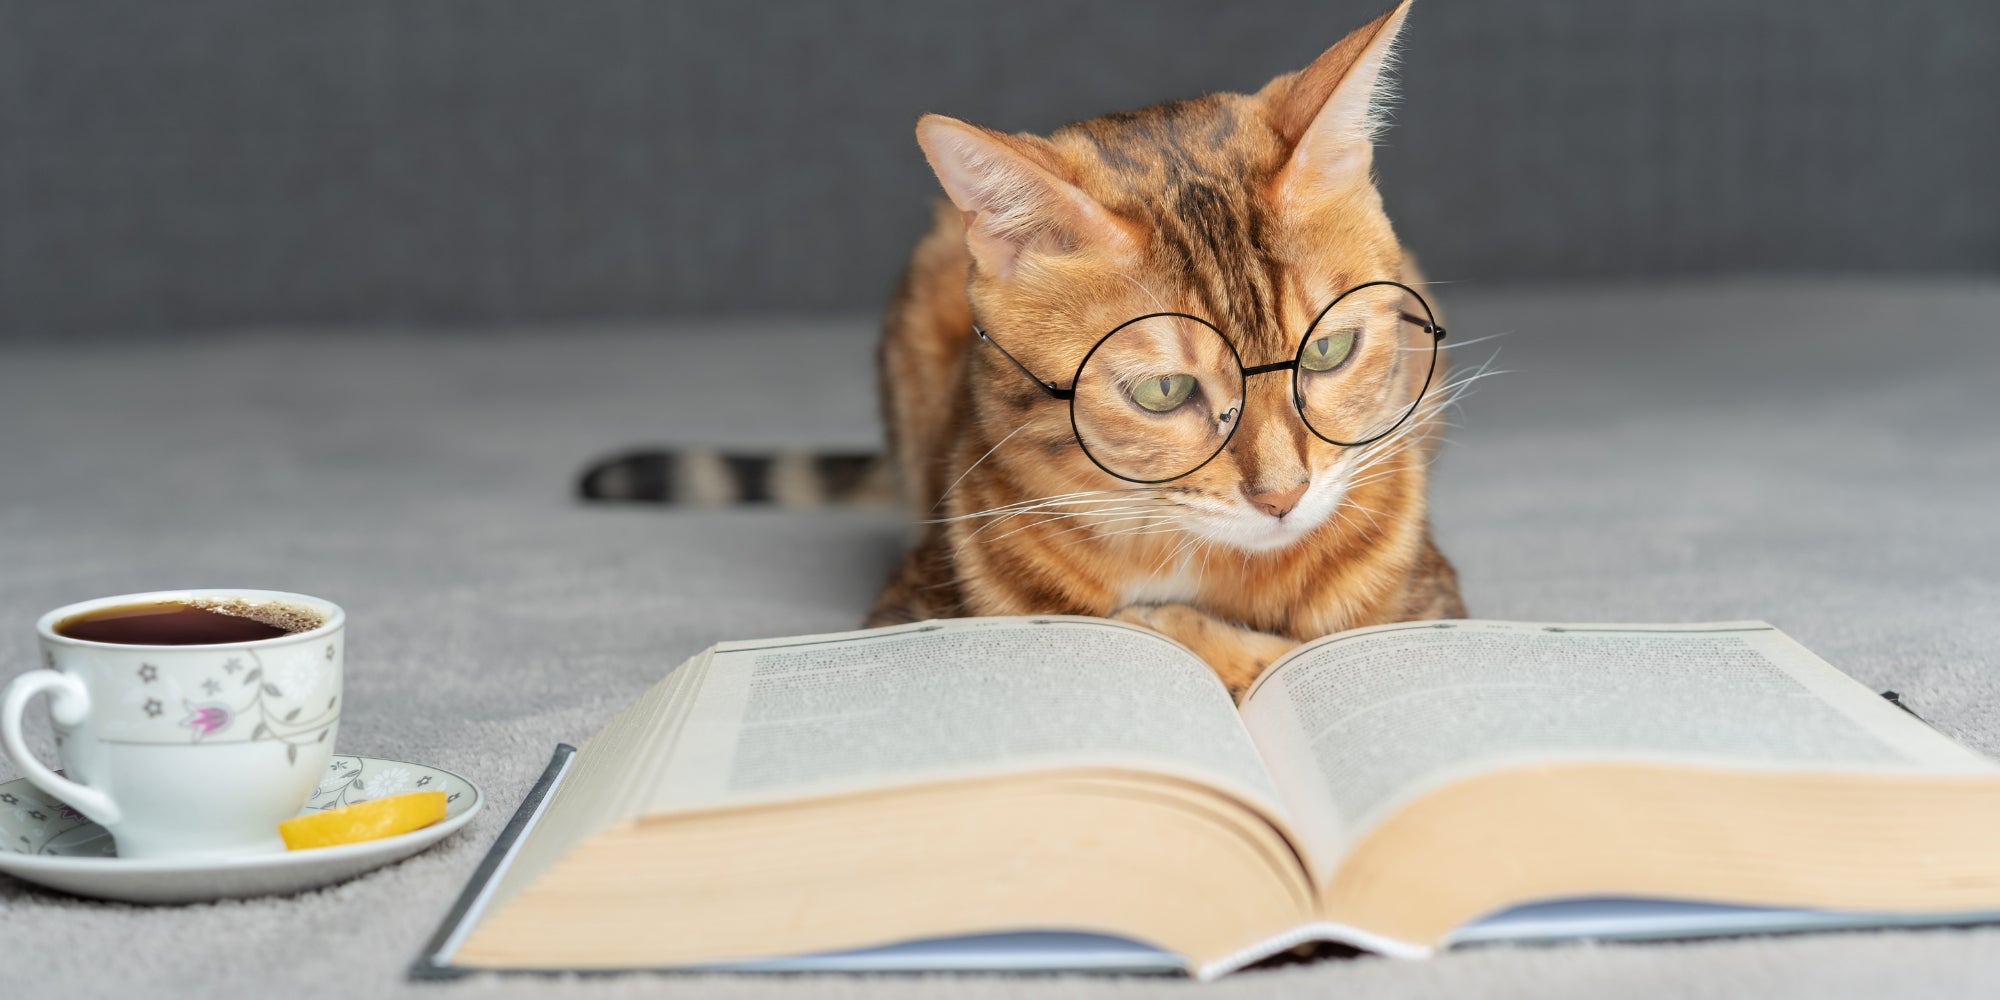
{"points": [[1330, 111]]}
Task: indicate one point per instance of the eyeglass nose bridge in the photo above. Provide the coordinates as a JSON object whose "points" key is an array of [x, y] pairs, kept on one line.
{"points": [[1229, 416], [1275, 366]]}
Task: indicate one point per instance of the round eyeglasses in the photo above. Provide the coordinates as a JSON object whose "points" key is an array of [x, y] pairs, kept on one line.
{"points": [[1162, 394]]}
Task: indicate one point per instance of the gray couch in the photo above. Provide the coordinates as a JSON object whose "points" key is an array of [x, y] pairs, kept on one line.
{"points": [[222, 163], [1819, 454]]}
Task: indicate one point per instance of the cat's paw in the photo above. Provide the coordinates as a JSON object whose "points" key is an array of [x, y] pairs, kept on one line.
{"points": [[1236, 654]]}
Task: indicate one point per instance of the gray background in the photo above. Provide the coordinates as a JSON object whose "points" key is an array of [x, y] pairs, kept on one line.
{"points": [[195, 165]]}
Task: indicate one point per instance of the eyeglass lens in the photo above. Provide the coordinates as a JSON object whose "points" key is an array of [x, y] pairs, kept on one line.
{"points": [[1362, 365], [1157, 398]]}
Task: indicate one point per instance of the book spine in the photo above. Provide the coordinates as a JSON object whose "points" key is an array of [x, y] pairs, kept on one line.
{"points": [[434, 962]]}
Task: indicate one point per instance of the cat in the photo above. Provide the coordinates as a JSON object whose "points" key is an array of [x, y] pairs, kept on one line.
{"points": [[1246, 216], [1250, 211]]}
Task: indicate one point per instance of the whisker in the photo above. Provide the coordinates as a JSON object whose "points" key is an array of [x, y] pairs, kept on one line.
{"points": [[1149, 292], [975, 464], [1085, 504], [1340, 519], [1370, 511], [1084, 507], [1426, 419], [1112, 515], [1093, 525], [1161, 566], [1064, 499], [1047, 515], [1076, 527], [1176, 553], [1374, 477], [1142, 529], [1455, 343], [1082, 494], [1052, 513]]}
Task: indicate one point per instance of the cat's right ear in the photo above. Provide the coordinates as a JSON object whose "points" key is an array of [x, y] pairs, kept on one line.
{"points": [[1012, 202]]}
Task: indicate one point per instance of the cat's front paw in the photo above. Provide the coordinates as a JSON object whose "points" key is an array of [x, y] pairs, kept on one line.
{"points": [[1236, 654]]}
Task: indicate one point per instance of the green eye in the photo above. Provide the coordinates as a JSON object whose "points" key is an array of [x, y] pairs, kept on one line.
{"points": [[1161, 393], [1326, 353]]}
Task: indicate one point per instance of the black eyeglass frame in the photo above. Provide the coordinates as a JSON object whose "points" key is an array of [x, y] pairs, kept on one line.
{"points": [[1428, 322]]}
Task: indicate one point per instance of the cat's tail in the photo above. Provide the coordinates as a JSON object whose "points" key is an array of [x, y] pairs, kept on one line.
{"points": [[707, 477]]}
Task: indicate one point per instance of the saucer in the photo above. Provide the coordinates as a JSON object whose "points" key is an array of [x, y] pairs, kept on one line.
{"points": [[46, 842]]}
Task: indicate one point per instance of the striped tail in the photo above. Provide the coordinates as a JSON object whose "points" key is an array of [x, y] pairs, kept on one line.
{"points": [[705, 477]]}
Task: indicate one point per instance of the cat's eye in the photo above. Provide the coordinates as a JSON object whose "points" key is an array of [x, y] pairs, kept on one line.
{"points": [[1323, 354], [1162, 393]]}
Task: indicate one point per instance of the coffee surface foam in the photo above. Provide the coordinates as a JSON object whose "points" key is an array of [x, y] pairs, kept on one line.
{"points": [[277, 614]]}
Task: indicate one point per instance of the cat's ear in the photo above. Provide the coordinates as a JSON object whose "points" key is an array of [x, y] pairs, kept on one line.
{"points": [[1012, 200], [1331, 110]]}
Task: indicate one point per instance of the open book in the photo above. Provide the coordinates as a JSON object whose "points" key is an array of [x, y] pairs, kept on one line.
{"points": [[1079, 793]]}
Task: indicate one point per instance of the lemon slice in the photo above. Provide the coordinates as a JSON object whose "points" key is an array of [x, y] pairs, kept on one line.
{"points": [[372, 820]]}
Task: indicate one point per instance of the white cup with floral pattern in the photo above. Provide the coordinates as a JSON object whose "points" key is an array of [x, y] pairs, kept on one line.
{"points": [[186, 750]]}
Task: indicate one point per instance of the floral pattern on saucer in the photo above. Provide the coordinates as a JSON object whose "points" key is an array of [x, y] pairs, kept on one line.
{"points": [[31, 822], [351, 780]]}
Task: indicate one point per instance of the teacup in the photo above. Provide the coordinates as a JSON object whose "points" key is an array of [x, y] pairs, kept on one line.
{"points": [[186, 750]]}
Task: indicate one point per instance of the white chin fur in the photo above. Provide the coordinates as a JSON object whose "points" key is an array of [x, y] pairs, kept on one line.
{"points": [[1245, 527]]}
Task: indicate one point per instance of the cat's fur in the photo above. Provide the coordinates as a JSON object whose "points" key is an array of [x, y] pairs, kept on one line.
{"points": [[1252, 211]]}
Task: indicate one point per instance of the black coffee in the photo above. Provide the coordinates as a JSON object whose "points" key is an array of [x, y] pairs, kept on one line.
{"points": [[175, 623]]}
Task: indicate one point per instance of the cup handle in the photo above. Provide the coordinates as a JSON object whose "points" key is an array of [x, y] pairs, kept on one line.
{"points": [[69, 702]]}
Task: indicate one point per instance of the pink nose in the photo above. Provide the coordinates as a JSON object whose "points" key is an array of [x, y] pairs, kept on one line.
{"points": [[1276, 503]]}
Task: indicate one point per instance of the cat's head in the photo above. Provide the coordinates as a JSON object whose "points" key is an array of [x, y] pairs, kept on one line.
{"points": [[1252, 212]]}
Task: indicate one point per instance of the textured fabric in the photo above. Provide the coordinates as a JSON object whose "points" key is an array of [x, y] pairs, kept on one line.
{"points": [[212, 163], [1818, 455]]}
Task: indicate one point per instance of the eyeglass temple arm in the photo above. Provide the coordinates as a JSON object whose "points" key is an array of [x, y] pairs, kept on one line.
{"points": [[1429, 327], [1046, 386]]}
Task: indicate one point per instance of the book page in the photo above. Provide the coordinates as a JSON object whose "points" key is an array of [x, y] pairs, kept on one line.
{"points": [[599, 785], [1355, 724], [786, 718]]}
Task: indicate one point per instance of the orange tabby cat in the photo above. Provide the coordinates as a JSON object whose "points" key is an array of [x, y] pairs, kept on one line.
{"points": [[1249, 212]]}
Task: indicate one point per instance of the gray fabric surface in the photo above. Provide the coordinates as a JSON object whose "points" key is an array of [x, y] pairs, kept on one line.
{"points": [[214, 163], [1820, 455]]}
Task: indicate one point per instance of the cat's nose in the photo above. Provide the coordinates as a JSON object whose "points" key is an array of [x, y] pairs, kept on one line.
{"points": [[1276, 503]]}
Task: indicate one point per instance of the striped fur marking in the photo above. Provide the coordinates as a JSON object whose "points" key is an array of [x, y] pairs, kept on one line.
{"points": [[708, 478]]}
